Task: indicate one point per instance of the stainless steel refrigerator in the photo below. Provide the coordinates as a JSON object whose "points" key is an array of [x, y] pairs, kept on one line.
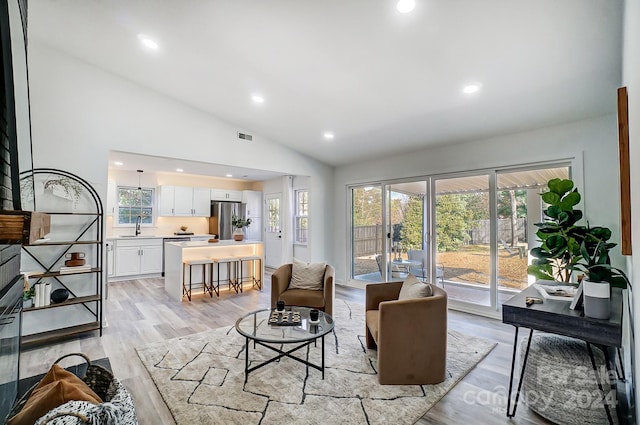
{"points": [[221, 214]]}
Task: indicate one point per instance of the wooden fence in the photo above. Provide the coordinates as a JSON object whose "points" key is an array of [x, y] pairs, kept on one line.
{"points": [[367, 240], [481, 233]]}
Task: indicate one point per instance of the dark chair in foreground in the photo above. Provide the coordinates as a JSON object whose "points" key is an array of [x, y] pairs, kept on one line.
{"points": [[321, 299], [410, 334]]}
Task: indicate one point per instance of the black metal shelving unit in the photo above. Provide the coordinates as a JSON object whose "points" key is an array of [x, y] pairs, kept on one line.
{"points": [[84, 228]]}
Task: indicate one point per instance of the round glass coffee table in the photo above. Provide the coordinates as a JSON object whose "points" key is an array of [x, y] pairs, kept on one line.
{"points": [[256, 327]]}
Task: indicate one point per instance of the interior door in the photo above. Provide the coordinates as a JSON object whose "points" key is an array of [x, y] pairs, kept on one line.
{"points": [[273, 230]]}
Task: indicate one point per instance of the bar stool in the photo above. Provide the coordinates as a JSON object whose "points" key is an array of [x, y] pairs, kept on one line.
{"points": [[232, 265], [206, 264], [251, 277]]}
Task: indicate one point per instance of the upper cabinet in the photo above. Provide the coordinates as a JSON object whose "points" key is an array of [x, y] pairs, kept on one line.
{"points": [[179, 201], [226, 195], [253, 199], [112, 195]]}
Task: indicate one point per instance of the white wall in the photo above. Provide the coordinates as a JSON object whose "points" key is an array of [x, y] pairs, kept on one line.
{"points": [[80, 112], [595, 140], [631, 79]]}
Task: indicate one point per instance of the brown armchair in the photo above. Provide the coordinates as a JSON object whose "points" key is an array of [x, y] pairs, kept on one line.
{"points": [[322, 300], [410, 334]]}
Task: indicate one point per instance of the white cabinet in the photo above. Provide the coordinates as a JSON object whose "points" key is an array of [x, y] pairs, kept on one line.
{"points": [[179, 201], [110, 258], [254, 232], [112, 196], [201, 202], [226, 195], [253, 201], [182, 201], [138, 256], [151, 259], [165, 200]]}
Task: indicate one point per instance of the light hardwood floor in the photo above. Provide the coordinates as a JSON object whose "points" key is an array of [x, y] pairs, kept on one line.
{"points": [[139, 311]]}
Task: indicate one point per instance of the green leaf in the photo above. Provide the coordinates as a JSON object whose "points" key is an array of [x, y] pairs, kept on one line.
{"points": [[553, 211], [551, 198], [560, 186], [538, 252], [569, 201]]}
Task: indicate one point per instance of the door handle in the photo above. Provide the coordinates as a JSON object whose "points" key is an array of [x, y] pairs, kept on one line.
{"points": [[389, 235]]}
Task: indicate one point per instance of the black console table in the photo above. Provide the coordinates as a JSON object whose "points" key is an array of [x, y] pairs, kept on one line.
{"points": [[556, 317]]}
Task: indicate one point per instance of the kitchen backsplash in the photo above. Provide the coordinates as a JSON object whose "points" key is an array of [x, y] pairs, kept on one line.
{"points": [[163, 226]]}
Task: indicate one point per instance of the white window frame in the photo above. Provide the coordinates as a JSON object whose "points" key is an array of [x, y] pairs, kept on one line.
{"points": [[152, 206], [300, 215]]}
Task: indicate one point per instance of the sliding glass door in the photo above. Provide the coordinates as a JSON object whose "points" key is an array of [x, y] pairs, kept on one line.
{"points": [[464, 237], [469, 233], [367, 233]]}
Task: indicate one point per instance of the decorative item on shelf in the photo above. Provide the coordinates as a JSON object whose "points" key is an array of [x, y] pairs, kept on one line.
{"points": [[28, 293], [42, 294], [183, 228], [239, 223], [599, 277], [59, 295], [75, 259]]}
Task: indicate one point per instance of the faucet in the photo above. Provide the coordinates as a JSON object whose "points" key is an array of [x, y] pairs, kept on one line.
{"points": [[138, 222]]}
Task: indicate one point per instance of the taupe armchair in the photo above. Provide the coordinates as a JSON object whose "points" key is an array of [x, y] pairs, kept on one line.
{"points": [[322, 300], [410, 334]]}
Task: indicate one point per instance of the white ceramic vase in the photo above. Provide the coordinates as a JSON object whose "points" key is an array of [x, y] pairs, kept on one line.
{"points": [[597, 299], [238, 234]]}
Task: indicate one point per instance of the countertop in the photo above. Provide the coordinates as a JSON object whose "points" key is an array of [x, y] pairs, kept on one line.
{"points": [[226, 242], [204, 235]]}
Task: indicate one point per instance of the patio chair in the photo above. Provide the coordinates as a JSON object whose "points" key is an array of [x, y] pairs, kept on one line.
{"points": [[420, 271], [395, 271]]}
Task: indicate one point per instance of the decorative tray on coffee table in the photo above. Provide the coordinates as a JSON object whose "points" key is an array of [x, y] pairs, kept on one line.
{"points": [[285, 318]]}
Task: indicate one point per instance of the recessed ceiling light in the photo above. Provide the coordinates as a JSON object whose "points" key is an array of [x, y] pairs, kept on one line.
{"points": [[405, 6], [472, 88], [229, 175], [257, 98], [179, 170], [148, 42], [118, 163], [328, 135]]}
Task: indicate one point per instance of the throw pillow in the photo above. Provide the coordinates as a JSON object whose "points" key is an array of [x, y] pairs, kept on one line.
{"points": [[413, 288], [308, 276], [56, 388]]}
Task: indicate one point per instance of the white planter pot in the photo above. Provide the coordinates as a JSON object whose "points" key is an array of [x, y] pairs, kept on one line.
{"points": [[597, 299]]}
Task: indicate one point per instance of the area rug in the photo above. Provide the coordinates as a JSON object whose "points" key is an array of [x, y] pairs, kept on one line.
{"points": [[201, 379]]}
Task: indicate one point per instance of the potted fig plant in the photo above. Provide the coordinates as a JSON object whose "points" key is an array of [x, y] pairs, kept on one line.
{"points": [[559, 234], [239, 223]]}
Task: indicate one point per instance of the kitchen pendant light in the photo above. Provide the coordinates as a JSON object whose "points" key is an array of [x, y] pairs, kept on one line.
{"points": [[140, 179]]}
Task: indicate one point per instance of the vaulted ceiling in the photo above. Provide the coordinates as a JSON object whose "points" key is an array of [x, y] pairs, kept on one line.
{"points": [[381, 81]]}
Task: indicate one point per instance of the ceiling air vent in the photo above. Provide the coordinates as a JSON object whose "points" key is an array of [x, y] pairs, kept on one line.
{"points": [[245, 136]]}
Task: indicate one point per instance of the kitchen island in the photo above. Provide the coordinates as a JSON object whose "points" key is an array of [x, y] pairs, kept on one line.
{"points": [[176, 252]]}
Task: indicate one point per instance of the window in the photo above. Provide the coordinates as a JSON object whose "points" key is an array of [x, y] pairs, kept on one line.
{"points": [[302, 216], [134, 202]]}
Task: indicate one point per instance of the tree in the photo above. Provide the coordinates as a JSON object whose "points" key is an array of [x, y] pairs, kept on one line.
{"points": [[453, 221], [367, 206], [412, 228]]}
